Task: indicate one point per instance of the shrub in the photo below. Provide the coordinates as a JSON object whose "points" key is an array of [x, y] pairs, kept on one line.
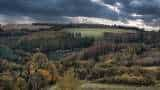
{"points": [[7, 53], [69, 82], [40, 59]]}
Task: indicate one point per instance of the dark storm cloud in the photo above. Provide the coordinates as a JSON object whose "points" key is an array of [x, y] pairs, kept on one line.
{"points": [[52, 8], [147, 10]]}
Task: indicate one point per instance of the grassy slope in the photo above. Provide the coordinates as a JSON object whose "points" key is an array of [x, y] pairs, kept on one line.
{"points": [[94, 32]]}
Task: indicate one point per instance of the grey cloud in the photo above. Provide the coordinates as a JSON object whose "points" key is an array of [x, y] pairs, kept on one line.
{"points": [[51, 9]]}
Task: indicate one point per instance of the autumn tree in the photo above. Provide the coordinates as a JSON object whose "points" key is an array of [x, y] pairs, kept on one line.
{"points": [[40, 59], [20, 84], [53, 72], [37, 82]]}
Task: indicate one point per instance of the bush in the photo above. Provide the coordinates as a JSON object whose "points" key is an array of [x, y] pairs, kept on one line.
{"points": [[40, 59], [7, 53], [69, 82]]}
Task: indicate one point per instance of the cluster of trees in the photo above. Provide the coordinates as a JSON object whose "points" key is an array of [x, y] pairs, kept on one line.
{"points": [[61, 41], [147, 37], [35, 74]]}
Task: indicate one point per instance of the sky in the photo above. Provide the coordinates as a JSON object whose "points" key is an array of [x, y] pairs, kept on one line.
{"points": [[141, 13]]}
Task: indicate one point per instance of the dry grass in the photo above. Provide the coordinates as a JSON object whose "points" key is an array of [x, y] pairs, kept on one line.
{"points": [[115, 87]]}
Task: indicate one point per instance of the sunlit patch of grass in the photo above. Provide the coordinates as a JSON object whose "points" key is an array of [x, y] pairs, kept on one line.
{"points": [[94, 32]]}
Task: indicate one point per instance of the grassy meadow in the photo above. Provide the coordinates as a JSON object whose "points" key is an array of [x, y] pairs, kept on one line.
{"points": [[94, 32]]}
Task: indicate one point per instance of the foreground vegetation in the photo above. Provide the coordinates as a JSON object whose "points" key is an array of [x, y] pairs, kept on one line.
{"points": [[63, 60]]}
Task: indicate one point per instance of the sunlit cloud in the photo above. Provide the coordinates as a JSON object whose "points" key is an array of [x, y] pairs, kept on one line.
{"points": [[115, 8], [136, 15]]}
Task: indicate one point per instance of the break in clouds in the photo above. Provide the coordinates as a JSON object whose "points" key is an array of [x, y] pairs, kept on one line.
{"points": [[136, 12]]}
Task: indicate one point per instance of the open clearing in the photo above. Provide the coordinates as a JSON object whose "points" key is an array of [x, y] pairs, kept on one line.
{"points": [[95, 32]]}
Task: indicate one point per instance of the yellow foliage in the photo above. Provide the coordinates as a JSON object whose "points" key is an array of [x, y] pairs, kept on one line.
{"points": [[47, 75], [69, 82], [20, 84], [40, 59]]}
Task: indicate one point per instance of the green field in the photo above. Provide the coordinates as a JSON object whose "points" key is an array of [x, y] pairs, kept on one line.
{"points": [[94, 32]]}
